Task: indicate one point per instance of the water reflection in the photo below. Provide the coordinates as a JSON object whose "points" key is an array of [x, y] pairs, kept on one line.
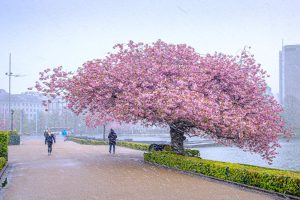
{"points": [[288, 157]]}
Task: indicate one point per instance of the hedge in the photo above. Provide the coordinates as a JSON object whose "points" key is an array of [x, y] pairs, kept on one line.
{"points": [[4, 144], [192, 152], [131, 145], [87, 141], [2, 162], [134, 145], [283, 181], [14, 138]]}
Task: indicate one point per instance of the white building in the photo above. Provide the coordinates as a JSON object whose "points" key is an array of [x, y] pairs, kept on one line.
{"points": [[29, 104]]}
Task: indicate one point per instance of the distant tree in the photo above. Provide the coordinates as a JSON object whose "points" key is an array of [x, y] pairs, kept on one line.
{"points": [[215, 96]]}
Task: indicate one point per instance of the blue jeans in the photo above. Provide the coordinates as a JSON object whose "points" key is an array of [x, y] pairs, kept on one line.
{"points": [[114, 147]]}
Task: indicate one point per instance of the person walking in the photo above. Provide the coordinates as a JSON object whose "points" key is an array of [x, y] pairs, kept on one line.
{"points": [[45, 135], [50, 139], [112, 137], [65, 134]]}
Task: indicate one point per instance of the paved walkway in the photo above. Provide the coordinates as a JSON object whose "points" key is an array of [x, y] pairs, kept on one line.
{"points": [[83, 172]]}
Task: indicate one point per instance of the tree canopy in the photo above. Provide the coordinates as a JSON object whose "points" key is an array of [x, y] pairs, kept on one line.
{"points": [[217, 96]]}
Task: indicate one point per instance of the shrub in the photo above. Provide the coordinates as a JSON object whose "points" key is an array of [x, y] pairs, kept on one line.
{"points": [[87, 141], [14, 138], [131, 145], [283, 181], [192, 152], [4, 144], [168, 148], [13, 133], [134, 145], [2, 162]]}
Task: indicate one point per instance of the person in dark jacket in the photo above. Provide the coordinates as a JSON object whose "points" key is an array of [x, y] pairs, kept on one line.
{"points": [[112, 137], [45, 135], [50, 139]]}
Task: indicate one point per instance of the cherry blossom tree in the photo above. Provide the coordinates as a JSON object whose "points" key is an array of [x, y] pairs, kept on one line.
{"points": [[216, 96]]}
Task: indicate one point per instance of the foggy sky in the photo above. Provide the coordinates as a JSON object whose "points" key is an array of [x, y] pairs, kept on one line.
{"points": [[42, 34]]}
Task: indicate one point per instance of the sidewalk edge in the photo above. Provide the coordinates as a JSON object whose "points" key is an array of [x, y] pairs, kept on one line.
{"points": [[3, 170], [276, 194]]}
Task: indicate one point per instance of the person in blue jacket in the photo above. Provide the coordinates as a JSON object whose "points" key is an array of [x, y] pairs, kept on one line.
{"points": [[65, 134]]}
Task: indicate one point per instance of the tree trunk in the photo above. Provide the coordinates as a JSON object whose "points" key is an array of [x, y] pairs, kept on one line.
{"points": [[177, 137]]}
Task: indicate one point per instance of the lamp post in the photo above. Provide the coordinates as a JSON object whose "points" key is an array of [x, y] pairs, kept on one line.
{"points": [[10, 74], [12, 120], [104, 126], [21, 122], [36, 122]]}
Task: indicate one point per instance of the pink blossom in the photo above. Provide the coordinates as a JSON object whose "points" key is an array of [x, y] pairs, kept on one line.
{"points": [[219, 96]]}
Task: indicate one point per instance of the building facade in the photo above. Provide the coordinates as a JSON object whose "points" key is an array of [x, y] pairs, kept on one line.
{"points": [[30, 116], [289, 82], [28, 105]]}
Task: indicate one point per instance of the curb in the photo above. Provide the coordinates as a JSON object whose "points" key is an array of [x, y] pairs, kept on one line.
{"points": [[3, 170], [241, 185]]}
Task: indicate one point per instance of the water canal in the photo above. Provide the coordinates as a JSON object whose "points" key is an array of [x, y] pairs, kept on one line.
{"points": [[288, 155]]}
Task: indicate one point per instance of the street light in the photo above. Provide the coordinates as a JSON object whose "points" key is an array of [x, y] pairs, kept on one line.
{"points": [[10, 74], [12, 120]]}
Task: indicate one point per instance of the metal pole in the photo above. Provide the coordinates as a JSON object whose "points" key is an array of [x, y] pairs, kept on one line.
{"points": [[36, 124], [47, 115], [21, 122], [12, 120], [104, 132], [97, 131], [5, 119], [9, 89]]}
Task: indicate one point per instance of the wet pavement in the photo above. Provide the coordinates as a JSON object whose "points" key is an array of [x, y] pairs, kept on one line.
{"points": [[75, 171]]}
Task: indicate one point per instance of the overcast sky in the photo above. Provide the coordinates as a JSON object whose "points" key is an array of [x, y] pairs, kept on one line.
{"points": [[50, 33]]}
